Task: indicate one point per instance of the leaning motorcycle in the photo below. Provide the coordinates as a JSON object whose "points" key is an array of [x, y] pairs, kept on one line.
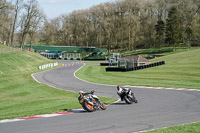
{"points": [[90, 102], [126, 95]]}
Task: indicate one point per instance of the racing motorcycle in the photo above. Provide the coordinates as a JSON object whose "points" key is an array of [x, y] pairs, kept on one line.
{"points": [[126, 95], [90, 102]]}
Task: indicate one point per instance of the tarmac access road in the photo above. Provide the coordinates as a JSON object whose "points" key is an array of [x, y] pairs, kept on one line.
{"points": [[155, 109]]}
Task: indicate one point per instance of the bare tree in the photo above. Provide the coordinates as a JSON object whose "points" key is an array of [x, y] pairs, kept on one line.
{"points": [[36, 24], [5, 21], [17, 7], [3, 4], [28, 19]]}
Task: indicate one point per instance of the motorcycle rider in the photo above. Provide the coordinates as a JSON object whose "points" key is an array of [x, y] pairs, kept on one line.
{"points": [[121, 90]]}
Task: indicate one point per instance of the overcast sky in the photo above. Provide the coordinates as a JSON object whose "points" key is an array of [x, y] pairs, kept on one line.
{"points": [[55, 8]]}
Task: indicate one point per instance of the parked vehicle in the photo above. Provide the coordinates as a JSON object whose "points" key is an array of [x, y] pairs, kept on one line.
{"points": [[126, 95], [90, 102]]}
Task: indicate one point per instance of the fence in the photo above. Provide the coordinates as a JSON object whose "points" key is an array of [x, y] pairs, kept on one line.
{"points": [[71, 56], [8, 50], [135, 68], [50, 55]]}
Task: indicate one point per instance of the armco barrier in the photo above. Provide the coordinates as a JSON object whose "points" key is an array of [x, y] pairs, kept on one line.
{"points": [[108, 64], [116, 69], [48, 65]]}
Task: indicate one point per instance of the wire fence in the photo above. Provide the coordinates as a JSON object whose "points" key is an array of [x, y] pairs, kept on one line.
{"points": [[8, 50]]}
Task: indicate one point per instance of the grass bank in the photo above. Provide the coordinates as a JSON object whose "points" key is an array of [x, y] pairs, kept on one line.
{"points": [[156, 51], [188, 128], [180, 71], [21, 96]]}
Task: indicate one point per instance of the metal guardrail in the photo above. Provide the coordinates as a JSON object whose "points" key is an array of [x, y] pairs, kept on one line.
{"points": [[48, 65]]}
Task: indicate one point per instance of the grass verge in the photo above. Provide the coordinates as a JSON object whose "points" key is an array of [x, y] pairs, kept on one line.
{"points": [[188, 128], [21, 95]]}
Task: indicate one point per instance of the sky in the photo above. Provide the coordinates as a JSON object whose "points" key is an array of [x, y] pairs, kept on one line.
{"points": [[55, 8]]}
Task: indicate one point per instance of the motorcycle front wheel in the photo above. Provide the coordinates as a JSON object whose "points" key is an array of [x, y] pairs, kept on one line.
{"points": [[128, 99], [88, 107], [102, 106]]}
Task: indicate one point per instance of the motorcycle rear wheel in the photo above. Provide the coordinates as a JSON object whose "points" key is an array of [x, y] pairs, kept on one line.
{"points": [[88, 107]]}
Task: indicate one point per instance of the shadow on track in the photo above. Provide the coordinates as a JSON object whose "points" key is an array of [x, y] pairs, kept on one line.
{"points": [[81, 110]]}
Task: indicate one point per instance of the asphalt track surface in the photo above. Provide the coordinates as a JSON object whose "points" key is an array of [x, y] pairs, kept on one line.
{"points": [[156, 108]]}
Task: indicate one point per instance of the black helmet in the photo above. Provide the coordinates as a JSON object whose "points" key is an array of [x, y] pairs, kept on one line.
{"points": [[118, 87]]}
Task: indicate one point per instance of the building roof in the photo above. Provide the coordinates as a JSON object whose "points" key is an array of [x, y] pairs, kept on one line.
{"points": [[143, 60]]}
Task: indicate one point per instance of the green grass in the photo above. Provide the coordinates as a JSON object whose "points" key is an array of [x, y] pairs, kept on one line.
{"points": [[182, 70], [156, 51], [21, 95], [188, 128]]}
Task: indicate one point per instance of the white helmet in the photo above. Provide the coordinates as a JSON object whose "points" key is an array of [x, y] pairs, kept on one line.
{"points": [[119, 89], [81, 92]]}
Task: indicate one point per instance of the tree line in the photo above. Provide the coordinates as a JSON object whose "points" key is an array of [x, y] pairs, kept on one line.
{"points": [[20, 21], [121, 25]]}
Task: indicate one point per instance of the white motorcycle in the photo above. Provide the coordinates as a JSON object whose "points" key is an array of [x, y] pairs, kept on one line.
{"points": [[126, 95]]}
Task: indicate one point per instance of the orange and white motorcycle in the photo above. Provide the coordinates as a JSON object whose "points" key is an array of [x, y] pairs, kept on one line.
{"points": [[90, 102]]}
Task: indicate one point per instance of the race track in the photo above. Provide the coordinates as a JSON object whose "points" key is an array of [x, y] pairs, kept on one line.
{"points": [[156, 108]]}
